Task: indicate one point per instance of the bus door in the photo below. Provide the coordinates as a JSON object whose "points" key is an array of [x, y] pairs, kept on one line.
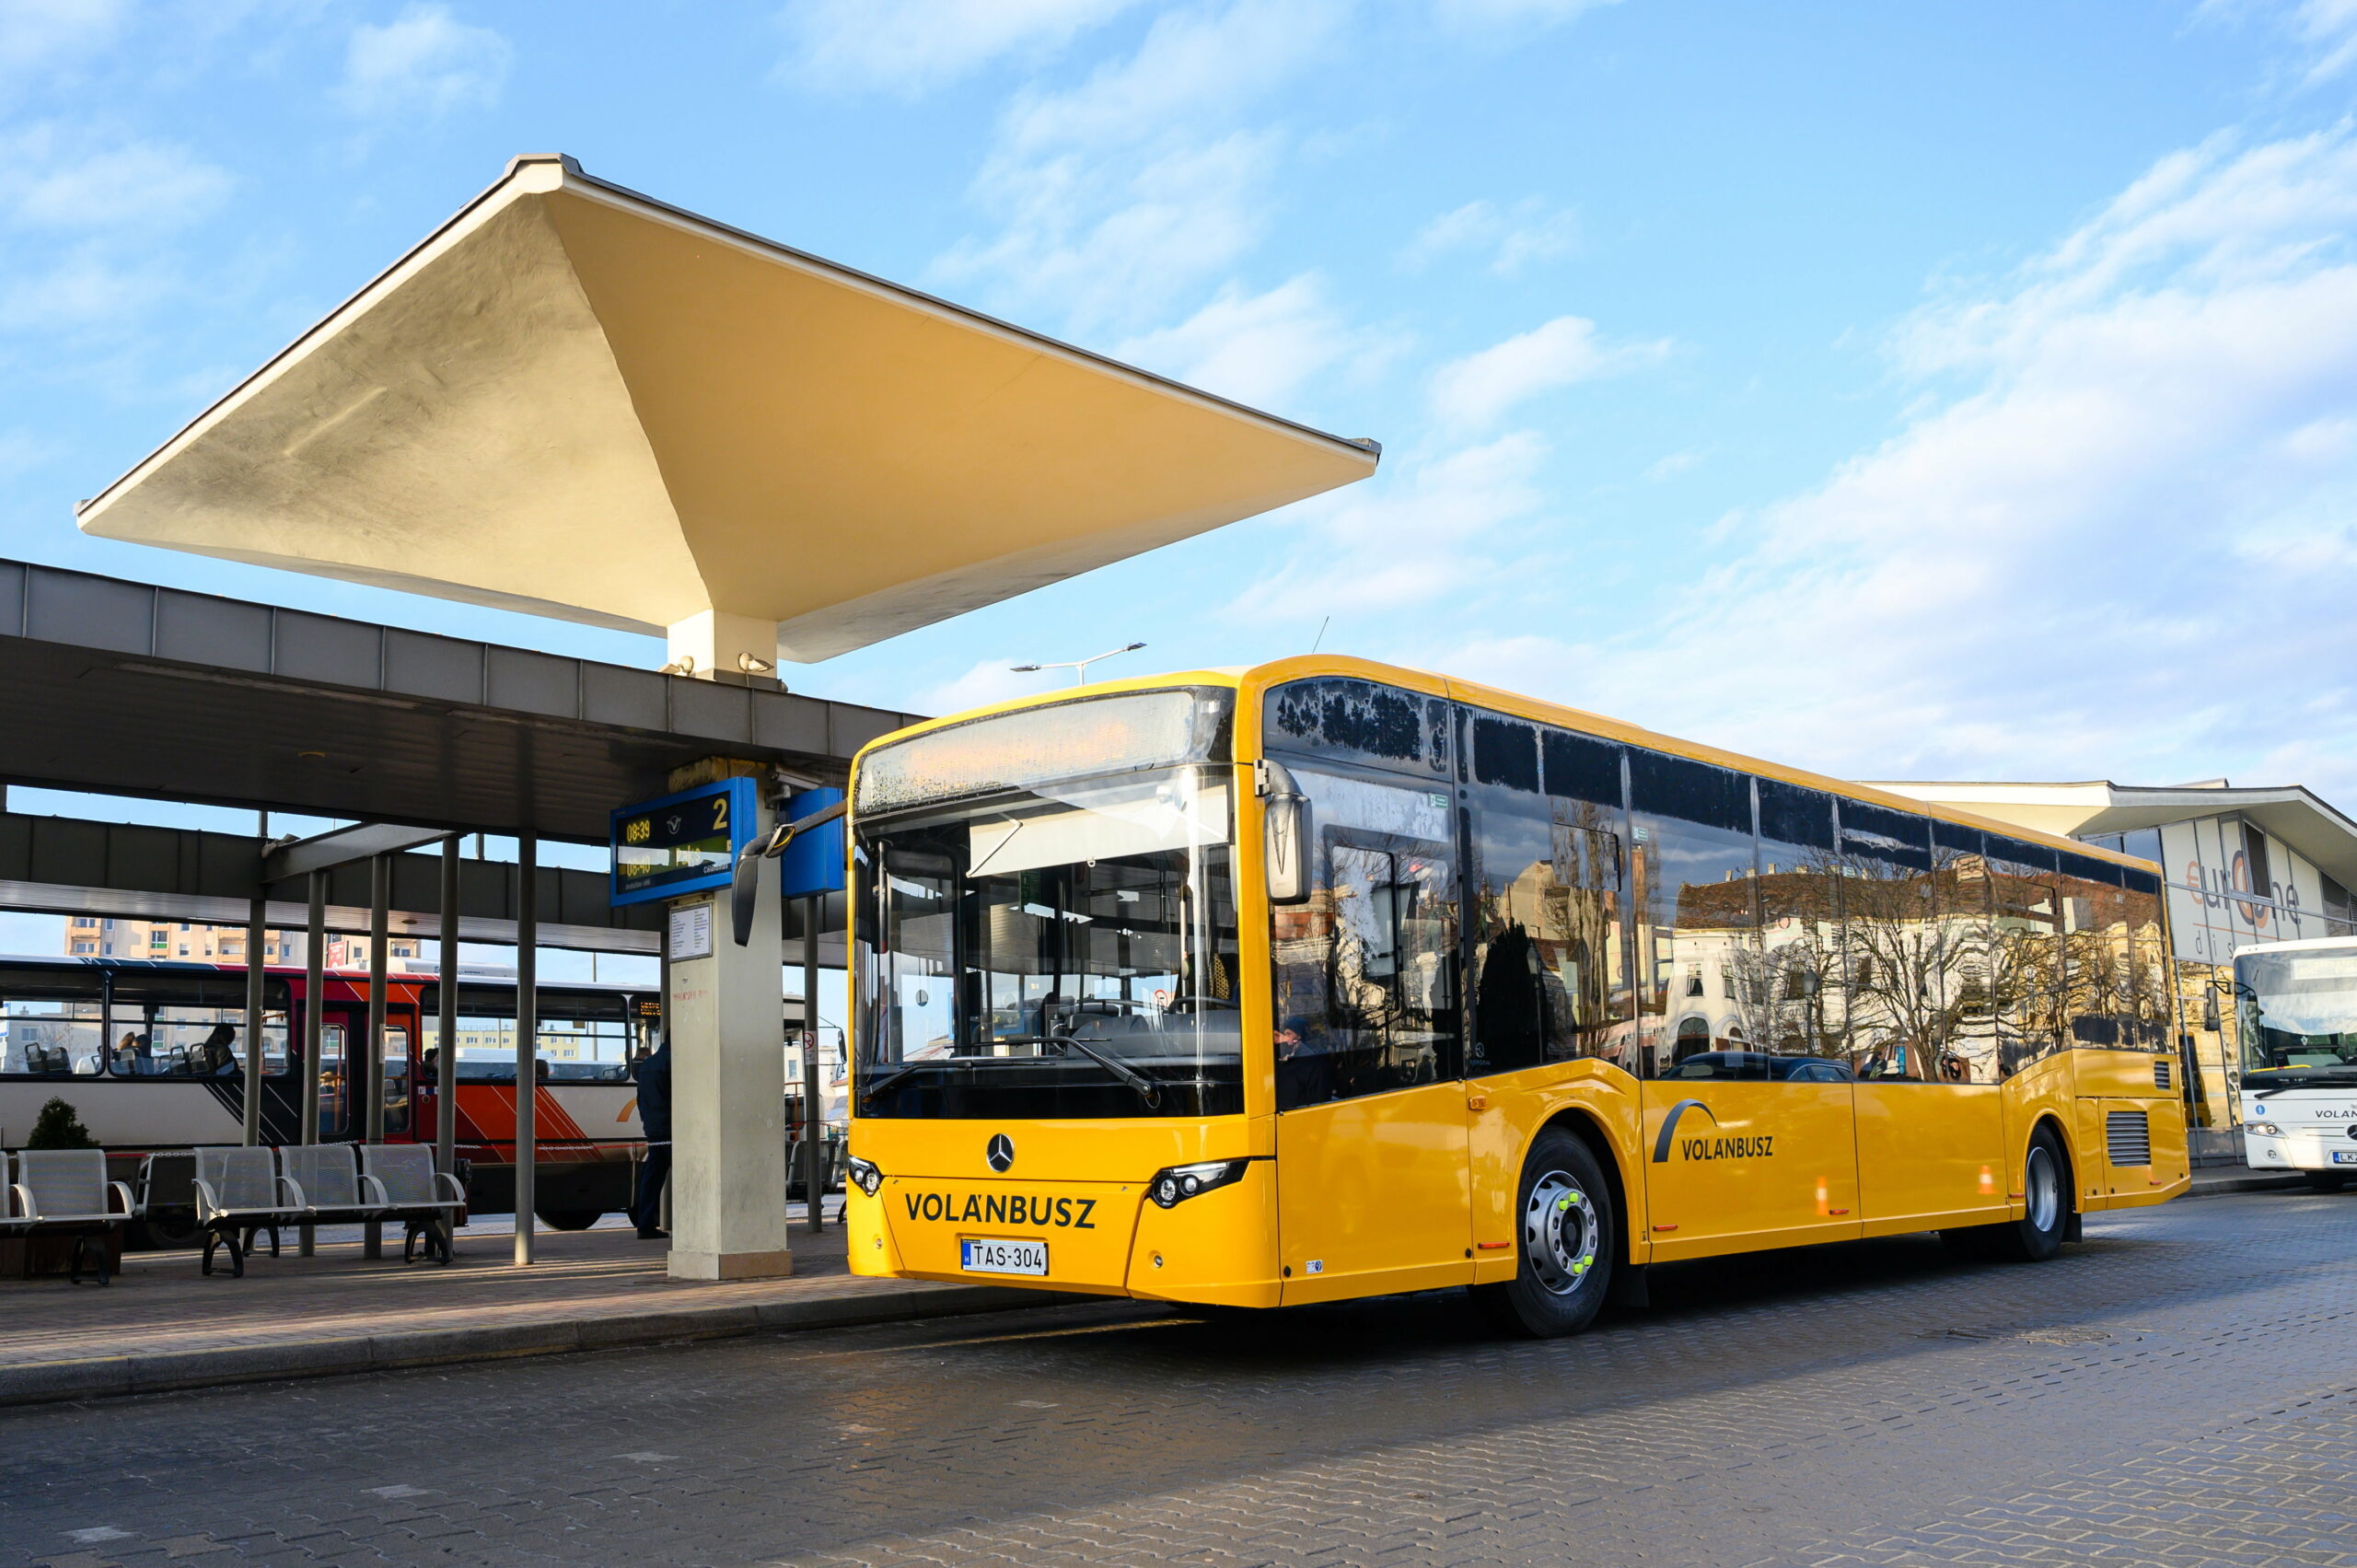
{"points": [[339, 1029], [1371, 1176], [400, 1077]]}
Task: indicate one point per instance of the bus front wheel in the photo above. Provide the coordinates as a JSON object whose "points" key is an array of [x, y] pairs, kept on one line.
{"points": [[1565, 1243], [2046, 1204], [2326, 1180], [569, 1219]]}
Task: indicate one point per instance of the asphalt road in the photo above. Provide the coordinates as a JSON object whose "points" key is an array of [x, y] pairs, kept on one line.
{"points": [[2182, 1389]]}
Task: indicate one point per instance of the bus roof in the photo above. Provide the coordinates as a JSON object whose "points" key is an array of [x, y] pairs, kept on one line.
{"points": [[1260, 677]]}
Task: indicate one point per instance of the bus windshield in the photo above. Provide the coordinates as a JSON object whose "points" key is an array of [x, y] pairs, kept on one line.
{"points": [[1064, 949], [2299, 1015]]}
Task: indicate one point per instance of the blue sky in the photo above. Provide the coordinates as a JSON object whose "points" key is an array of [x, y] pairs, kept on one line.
{"points": [[1926, 390]]}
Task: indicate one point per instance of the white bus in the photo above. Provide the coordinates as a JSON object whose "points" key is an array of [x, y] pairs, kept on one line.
{"points": [[2297, 1002]]}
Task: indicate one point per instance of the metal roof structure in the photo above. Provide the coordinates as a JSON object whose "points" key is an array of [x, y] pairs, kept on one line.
{"points": [[125, 688], [577, 400]]}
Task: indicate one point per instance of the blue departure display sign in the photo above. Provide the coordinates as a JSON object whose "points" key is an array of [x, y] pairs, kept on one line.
{"points": [[681, 844]]}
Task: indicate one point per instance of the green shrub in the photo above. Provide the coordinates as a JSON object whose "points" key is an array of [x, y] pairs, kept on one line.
{"points": [[58, 1127]]}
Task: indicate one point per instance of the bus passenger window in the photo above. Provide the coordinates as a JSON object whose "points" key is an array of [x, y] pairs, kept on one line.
{"points": [[1893, 945], [1549, 980], [2023, 956], [1696, 869], [1800, 928], [1365, 981]]}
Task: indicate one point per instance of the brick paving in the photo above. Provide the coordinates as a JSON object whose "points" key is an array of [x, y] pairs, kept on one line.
{"points": [[2180, 1389]]}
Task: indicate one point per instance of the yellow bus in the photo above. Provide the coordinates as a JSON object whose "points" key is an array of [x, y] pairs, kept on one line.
{"points": [[1326, 979]]}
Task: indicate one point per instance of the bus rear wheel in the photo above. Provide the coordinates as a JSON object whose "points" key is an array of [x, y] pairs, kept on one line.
{"points": [[2046, 1204], [569, 1219], [1565, 1243]]}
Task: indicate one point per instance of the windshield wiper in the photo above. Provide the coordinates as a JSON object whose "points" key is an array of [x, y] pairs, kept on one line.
{"points": [[1148, 1090], [869, 1091]]}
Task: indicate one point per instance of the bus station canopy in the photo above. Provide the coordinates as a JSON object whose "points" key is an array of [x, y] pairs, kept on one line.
{"points": [[577, 402]]}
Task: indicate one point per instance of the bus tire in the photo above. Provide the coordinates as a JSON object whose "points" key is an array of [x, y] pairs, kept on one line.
{"points": [[2046, 1189], [1565, 1243], [2324, 1180], [569, 1219]]}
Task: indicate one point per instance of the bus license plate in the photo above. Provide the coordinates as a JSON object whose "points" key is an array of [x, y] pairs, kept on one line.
{"points": [[1002, 1257], [2344, 1156]]}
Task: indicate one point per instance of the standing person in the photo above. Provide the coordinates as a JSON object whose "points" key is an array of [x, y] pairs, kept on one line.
{"points": [[654, 1075]]}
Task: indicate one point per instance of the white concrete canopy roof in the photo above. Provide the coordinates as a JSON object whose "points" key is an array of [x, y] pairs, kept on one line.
{"points": [[2290, 813], [574, 400]]}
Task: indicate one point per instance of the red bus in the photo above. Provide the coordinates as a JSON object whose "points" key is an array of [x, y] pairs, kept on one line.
{"points": [[151, 1055]]}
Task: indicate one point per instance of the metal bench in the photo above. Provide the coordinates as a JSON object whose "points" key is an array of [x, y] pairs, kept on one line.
{"points": [[67, 1190], [167, 1198], [425, 1198], [239, 1190], [329, 1179]]}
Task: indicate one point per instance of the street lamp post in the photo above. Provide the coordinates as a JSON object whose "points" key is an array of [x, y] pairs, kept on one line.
{"points": [[1079, 667]]}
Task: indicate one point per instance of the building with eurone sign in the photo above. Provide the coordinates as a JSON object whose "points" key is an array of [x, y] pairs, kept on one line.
{"points": [[2241, 866]]}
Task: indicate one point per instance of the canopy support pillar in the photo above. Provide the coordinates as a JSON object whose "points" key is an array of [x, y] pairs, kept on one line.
{"points": [[726, 1008], [716, 643]]}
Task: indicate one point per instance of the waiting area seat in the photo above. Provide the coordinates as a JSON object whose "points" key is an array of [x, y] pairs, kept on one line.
{"points": [[65, 1190], [425, 1199], [327, 1180], [240, 1193]]}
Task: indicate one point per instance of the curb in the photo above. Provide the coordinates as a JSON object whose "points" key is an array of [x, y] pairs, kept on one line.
{"points": [[2255, 1182], [46, 1382]]}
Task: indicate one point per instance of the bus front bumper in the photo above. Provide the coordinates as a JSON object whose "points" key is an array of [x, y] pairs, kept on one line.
{"points": [[2323, 1148], [1100, 1239]]}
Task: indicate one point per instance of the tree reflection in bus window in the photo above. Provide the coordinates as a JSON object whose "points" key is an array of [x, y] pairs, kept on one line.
{"points": [[2024, 952], [1894, 952], [1694, 866], [1549, 980], [1800, 925], [1364, 987], [1966, 1047]]}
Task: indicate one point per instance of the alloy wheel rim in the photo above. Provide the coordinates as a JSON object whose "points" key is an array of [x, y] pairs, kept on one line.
{"points": [[1559, 1232], [2044, 1189]]}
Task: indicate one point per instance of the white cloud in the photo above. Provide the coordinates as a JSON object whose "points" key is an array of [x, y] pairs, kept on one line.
{"points": [[1477, 389], [991, 680], [1113, 198], [41, 33], [82, 287], [1190, 63], [907, 46], [144, 184], [1115, 243], [1254, 348], [2123, 546], [1425, 533], [424, 61], [1531, 230], [1495, 14]]}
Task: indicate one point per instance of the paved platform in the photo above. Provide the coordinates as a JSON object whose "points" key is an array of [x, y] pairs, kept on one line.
{"points": [[164, 1324], [2179, 1390]]}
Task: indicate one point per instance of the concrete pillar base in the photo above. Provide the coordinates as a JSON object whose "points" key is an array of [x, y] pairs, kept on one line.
{"points": [[774, 1265]]}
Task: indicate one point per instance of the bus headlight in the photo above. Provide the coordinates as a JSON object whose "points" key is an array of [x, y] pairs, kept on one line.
{"points": [[864, 1175], [1175, 1185], [2265, 1129]]}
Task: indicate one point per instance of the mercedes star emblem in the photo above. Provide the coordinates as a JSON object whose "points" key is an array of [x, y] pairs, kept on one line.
{"points": [[1001, 1153]]}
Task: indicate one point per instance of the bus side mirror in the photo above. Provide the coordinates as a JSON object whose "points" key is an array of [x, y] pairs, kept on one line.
{"points": [[1286, 847]]}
